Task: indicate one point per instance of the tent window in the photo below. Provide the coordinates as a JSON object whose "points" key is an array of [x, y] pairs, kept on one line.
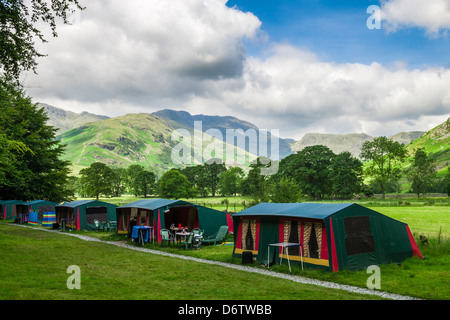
{"points": [[123, 219], [313, 246], [248, 234], [249, 238], [359, 238], [96, 213], [293, 238], [143, 218]]}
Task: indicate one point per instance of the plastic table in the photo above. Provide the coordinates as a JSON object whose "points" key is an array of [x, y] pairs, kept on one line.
{"points": [[284, 246], [142, 233]]}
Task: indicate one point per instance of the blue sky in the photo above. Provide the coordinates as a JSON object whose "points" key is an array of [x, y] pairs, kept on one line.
{"points": [[298, 66], [336, 31]]}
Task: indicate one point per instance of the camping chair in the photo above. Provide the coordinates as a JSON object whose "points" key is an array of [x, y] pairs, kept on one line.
{"points": [[218, 237], [165, 236], [188, 242], [112, 225], [97, 225]]}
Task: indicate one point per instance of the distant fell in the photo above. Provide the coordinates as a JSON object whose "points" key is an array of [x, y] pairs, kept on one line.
{"points": [[348, 142], [66, 120], [436, 143], [406, 137], [242, 128], [336, 142], [122, 141]]}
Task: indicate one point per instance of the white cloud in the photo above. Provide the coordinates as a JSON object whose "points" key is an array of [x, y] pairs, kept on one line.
{"points": [[433, 15], [142, 56], [134, 50], [294, 89]]}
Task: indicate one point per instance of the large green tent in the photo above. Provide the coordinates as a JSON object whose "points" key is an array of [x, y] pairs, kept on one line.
{"points": [[9, 209], [37, 206], [332, 236], [80, 214], [162, 213]]}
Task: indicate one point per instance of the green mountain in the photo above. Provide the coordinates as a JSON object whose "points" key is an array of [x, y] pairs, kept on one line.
{"points": [[134, 138], [184, 120], [143, 139], [436, 143]]}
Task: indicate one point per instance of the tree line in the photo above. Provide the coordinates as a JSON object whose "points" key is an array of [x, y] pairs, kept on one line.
{"points": [[315, 172]]}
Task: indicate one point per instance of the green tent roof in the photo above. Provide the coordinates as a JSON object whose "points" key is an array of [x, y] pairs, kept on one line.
{"points": [[153, 204], [79, 203], [299, 210], [36, 202], [12, 202]]}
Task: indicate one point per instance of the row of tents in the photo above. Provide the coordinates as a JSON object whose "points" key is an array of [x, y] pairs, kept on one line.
{"points": [[331, 237], [82, 214]]}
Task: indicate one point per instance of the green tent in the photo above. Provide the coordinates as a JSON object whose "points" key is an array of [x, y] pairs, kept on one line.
{"points": [[80, 214], [332, 237], [38, 206], [162, 213], [9, 209]]}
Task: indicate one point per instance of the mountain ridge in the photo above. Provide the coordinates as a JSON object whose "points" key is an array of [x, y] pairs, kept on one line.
{"points": [[146, 137]]}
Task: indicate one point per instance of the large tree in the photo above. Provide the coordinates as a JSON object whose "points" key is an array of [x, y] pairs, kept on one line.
{"points": [[383, 157], [230, 181], [97, 180], [197, 177], [285, 190], [118, 180], [310, 168], [212, 171], [346, 175], [146, 181], [18, 31], [256, 184], [174, 185], [422, 172], [133, 172], [33, 168]]}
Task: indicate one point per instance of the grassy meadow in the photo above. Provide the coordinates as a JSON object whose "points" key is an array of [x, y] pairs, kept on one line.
{"points": [[34, 265]]}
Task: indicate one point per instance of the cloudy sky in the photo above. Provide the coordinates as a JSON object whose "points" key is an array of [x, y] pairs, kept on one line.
{"points": [[294, 65]]}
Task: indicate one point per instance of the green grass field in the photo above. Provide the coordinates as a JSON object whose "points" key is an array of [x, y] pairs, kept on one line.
{"points": [[34, 265]]}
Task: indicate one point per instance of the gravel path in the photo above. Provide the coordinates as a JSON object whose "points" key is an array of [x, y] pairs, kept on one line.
{"points": [[266, 272]]}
